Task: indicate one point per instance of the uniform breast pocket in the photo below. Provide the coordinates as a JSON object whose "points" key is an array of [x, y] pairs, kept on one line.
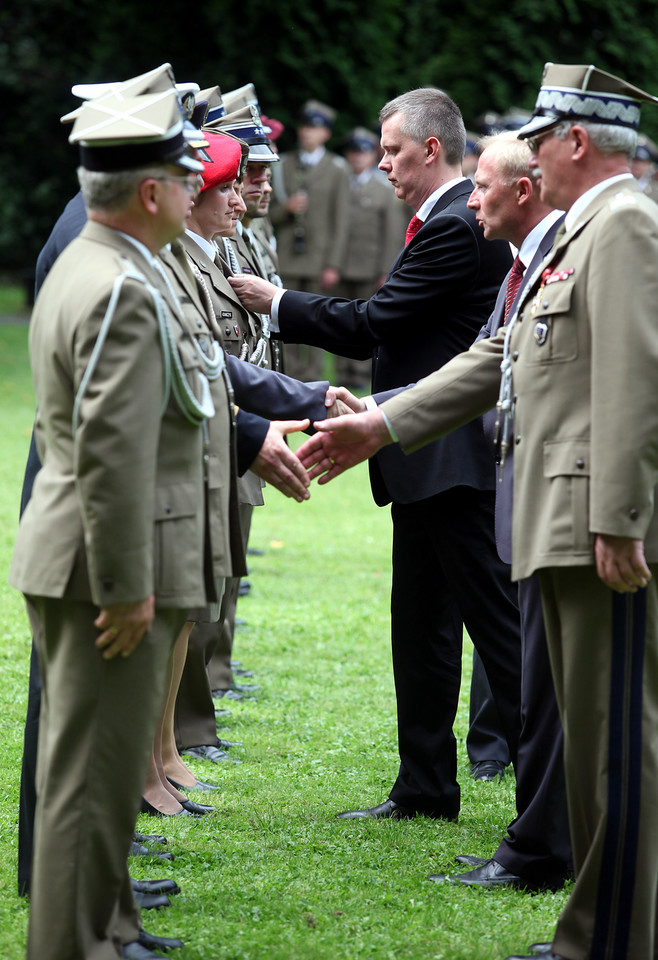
{"points": [[554, 333], [178, 537], [567, 470]]}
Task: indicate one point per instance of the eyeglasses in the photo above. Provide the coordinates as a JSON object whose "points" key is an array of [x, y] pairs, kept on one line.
{"points": [[534, 142], [192, 184]]}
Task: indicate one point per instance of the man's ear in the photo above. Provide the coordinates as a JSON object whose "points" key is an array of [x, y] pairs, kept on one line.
{"points": [[581, 141], [147, 192], [432, 149], [524, 189]]}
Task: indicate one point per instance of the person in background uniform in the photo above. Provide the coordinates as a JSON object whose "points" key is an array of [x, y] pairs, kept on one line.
{"points": [[377, 225], [311, 216], [577, 396], [438, 293]]}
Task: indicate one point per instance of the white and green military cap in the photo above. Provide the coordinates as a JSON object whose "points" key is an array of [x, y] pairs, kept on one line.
{"points": [[116, 132], [583, 92]]}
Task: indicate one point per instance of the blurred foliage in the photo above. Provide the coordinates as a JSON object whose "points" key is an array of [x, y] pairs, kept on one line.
{"points": [[355, 56]]}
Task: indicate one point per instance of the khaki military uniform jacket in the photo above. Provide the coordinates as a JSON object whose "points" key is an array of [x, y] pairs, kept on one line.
{"points": [[377, 226], [325, 222], [117, 511], [586, 433]]}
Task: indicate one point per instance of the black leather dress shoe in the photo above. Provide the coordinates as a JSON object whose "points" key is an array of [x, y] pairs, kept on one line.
{"points": [[540, 949], [135, 951], [152, 942], [151, 901], [149, 838], [533, 956], [210, 751], [388, 810], [197, 809], [469, 860], [200, 786], [152, 811], [139, 850], [488, 875], [488, 770], [167, 886]]}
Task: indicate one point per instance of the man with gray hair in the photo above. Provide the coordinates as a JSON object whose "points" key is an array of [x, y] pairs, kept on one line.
{"points": [[579, 363], [446, 571]]}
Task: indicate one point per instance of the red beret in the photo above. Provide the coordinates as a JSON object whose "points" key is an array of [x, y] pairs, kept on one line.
{"points": [[225, 154], [275, 127]]}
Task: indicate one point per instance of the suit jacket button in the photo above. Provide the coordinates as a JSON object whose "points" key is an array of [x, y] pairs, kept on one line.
{"points": [[580, 463], [633, 513]]}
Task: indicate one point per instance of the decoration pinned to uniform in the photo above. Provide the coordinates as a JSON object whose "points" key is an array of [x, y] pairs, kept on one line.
{"points": [[554, 277], [541, 333]]}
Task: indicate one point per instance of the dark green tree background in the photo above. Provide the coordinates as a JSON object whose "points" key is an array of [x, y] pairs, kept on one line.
{"points": [[355, 55]]}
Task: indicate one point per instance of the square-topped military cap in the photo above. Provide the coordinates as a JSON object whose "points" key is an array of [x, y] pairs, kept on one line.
{"points": [[581, 92], [121, 133], [316, 114], [247, 125], [244, 96], [360, 139]]}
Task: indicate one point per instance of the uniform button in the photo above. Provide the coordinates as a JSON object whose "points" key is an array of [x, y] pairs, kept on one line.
{"points": [[515, 355], [167, 508], [580, 464], [545, 304], [199, 324], [107, 582], [517, 440], [633, 513]]}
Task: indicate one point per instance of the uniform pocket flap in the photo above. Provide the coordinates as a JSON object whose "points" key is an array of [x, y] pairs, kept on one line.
{"points": [[555, 298], [180, 500], [566, 458]]}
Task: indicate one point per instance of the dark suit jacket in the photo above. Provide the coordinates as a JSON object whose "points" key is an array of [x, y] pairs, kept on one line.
{"points": [[439, 292], [505, 488]]}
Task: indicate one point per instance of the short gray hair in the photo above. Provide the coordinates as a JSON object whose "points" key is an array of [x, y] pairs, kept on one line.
{"points": [[512, 155], [606, 137], [112, 191], [429, 112]]}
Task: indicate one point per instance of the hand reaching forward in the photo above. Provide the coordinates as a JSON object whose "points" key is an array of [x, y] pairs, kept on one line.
{"points": [[123, 625], [340, 402], [342, 442], [620, 563], [277, 464], [255, 293]]}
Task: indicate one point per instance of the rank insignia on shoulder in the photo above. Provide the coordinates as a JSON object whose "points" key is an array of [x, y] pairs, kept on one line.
{"points": [[226, 314], [541, 333], [557, 275], [622, 200]]}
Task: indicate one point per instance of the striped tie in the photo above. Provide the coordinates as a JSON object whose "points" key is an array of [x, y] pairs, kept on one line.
{"points": [[513, 283], [414, 226]]}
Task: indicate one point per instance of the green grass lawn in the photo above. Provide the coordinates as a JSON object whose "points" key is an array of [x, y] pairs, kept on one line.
{"points": [[272, 875]]}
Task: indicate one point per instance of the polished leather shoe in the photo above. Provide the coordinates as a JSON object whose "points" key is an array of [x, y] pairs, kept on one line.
{"points": [[139, 850], [197, 809], [533, 956], [240, 672], [244, 588], [166, 886], [469, 860], [200, 786], [149, 838], [488, 770], [227, 744], [227, 694], [388, 810], [135, 951], [488, 875], [150, 901], [208, 751], [540, 949], [151, 942], [247, 689], [152, 811]]}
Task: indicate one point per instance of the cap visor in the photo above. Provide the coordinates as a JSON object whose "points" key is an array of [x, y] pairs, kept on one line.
{"points": [[537, 125]]}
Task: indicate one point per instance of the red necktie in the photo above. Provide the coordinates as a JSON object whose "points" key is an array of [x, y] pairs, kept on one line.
{"points": [[513, 283], [414, 226]]}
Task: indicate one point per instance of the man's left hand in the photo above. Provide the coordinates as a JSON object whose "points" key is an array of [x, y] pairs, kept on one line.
{"points": [[277, 464], [620, 563]]}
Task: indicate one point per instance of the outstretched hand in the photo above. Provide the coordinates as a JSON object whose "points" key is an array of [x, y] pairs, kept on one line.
{"points": [[255, 293], [342, 442], [340, 402], [277, 464]]}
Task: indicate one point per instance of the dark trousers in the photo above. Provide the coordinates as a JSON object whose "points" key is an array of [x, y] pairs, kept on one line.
{"points": [[446, 572], [538, 846], [485, 739]]}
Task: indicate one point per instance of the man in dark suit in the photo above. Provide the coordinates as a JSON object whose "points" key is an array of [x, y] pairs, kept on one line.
{"points": [[438, 293], [537, 851]]}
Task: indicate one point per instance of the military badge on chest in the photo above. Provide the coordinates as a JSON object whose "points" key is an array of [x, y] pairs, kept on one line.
{"points": [[541, 300]]}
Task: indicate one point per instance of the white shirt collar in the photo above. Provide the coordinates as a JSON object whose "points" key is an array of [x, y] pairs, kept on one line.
{"points": [[423, 212], [313, 158], [145, 252], [586, 198], [207, 246], [531, 243]]}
